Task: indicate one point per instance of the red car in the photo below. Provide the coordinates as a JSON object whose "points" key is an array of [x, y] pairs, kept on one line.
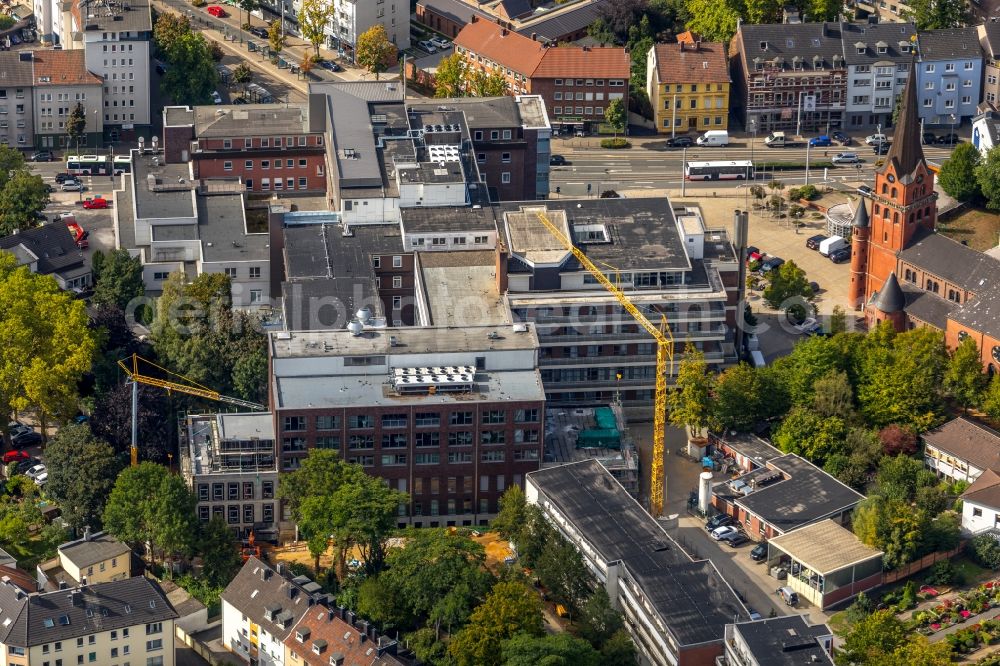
{"points": [[78, 234], [14, 456], [92, 203], [217, 11]]}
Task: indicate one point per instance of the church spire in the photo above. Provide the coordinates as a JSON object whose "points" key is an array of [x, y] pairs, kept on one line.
{"points": [[905, 150]]}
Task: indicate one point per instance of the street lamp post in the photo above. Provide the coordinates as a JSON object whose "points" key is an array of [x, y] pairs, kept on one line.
{"points": [[683, 169], [808, 146], [953, 124], [673, 117]]}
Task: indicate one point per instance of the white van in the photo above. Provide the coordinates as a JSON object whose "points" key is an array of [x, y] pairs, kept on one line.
{"points": [[757, 359], [832, 244], [716, 138]]}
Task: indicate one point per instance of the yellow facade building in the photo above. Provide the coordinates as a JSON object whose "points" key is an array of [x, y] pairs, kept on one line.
{"points": [[688, 87]]}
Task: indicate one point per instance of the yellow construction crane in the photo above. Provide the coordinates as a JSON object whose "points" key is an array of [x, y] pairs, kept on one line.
{"points": [[191, 387], [664, 362]]}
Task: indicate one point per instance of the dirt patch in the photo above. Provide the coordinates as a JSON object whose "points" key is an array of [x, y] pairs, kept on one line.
{"points": [[976, 227], [497, 549]]}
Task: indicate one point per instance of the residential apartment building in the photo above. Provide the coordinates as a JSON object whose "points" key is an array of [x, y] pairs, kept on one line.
{"points": [[229, 462], [17, 117], [986, 131], [563, 22], [668, 263], [988, 34], [327, 636], [576, 82], [259, 608], [95, 558], [174, 222], [688, 86], [961, 449], [790, 77], [61, 81], [649, 577], [50, 250], [450, 416], [878, 57], [351, 18], [269, 147], [949, 76], [127, 621], [778, 641]]}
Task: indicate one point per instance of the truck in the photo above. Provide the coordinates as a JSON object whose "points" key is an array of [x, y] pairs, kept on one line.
{"points": [[781, 140], [832, 244], [714, 138], [77, 232]]}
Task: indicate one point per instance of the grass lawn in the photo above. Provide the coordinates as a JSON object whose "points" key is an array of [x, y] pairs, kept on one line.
{"points": [[978, 227], [972, 572], [838, 623], [27, 554]]}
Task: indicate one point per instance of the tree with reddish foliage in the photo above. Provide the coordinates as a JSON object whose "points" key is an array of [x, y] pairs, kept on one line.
{"points": [[898, 440]]}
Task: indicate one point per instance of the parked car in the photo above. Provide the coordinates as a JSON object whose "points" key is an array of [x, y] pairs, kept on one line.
{"points": [[95, 203], [440, 42], [42, 156], [63, 177], [557, 160], [216, 97], [841, 138], [845, 159], [788, 595], [759, 552], [22, 466], [427, 46], [751, 251], [880, 148], [865, 191], [841, 255], [29, 438], [14, 456], [718, 521], [330, 65], [680, 142], [949, 139], [719, 532], [217, 11], [754, 615], [820, 141], [16, 428], [874, 139], [34, 471], [929, 138], [258, 31], [809, 327], [71, 186], [813, 241], [734, 540], [770, 264]]}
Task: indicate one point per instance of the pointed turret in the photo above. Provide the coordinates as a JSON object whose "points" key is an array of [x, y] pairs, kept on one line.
{"points": [[890, 298], [905, 151], [861, 220]]}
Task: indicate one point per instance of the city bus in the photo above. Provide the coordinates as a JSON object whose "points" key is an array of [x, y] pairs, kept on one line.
{"points": [[93, 165], [123, 164], [738, 170]]}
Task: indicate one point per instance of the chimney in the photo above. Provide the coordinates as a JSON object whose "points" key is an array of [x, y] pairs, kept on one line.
{"points": [[86, 533], [697, 45], [349, 617], [62, 585], [475, 18], [342, 612], [75, 597], [83, 581], [534, 36], [503, 32], [280, 568], [265, 573]]}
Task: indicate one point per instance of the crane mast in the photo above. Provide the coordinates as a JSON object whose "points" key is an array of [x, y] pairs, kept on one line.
{"points": [[664, 362]]}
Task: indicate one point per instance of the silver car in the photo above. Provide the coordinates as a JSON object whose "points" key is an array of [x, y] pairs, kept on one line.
{"points": [[845, 158]]}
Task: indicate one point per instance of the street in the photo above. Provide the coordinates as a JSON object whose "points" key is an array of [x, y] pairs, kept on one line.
{"points": [[97, 222]]}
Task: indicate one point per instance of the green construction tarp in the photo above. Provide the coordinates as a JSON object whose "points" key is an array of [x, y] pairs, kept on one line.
{"points": [[604, 438], [605, 418]]}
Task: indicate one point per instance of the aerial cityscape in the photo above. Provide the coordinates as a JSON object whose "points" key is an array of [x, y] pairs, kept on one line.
{"points": [[500, 332]]}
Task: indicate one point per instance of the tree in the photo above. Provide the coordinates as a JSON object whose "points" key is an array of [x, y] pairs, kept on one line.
{"points": [[551, 650], [314, 17], [82, 472], [276, 37], [243, 75], [21, 199], [963, 377], [76, 124], [744, 395], [173, 518], [898, 440], [619, 650], [985, 550], [921, 652], [838, 320], [219, 552], [192, 75], [988, 176], [112, 421], [449, 80], [715, 21], [561, 570], [810, 435], [47, 344], [873, 639], [892, 526], [511, 518], [788, 283], [621, 16], [509, 610], [168, 29], [936, 14], [600, 32], [487, 84], [833, 396], [374, 51], [958, 173], [126, 514], [307, 64], [991, 399], [823, 10], [599, 620], [119, 281], [616, 115], [689, 403]]}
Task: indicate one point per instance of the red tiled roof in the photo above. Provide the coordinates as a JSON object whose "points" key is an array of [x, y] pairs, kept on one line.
{"points": [[19, 578], [688, 37], [62, 68], [324, 631], [683, 63], [532, 59]]}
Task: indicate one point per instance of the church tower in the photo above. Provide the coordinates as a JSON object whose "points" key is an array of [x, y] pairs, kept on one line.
{"points": [[860, 228], [903, 200]]}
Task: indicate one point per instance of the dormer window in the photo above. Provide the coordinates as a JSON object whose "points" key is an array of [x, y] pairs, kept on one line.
{"points": [[302, 635], [763, 46], [882, 50]]}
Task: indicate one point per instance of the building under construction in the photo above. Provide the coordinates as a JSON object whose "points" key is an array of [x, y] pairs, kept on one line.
{"points": [[573, 434]]}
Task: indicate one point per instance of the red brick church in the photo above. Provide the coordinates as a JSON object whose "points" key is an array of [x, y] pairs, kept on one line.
{"points": [[904, 272]]}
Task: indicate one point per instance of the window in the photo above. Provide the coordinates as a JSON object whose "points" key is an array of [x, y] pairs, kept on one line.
{"points": [[397, 302], [397, 262], [494, 417], [505, 177], [152, 661], [977, 512], [361, 421], [248, 164], [397, 281], [230, 273], [327, 422], [526, 416], [255, 272], [228, 166], [295, 423], [394, 420], [461, 438], [461, 418], [505, 158], [493, 437]]}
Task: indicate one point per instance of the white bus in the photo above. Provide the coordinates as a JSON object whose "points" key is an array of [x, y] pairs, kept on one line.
{"points": [[738, 170]]}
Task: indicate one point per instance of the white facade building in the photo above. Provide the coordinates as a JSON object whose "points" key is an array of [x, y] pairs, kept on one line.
{"points": [[878, 58], [351, 18]]}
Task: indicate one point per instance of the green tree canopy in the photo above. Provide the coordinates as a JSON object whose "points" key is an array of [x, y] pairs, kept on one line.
{"points": [[991, 399], [714, 20], [599, 620], [549, 650], [936, 14], [168, 29], [449, 80], [82, 472], [871, 640], [119, 280], [689, 403], [314, 17], [744, 395], [76, 123], [374, 51], [129, 513], [616, 115], [487, 84], [219, 552], [561, 571], [988, 176], [958, 173], [509, 610], [964, 379], [812, 358], [192, 75], [788, 283], [810, 435], [276, 36]]}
